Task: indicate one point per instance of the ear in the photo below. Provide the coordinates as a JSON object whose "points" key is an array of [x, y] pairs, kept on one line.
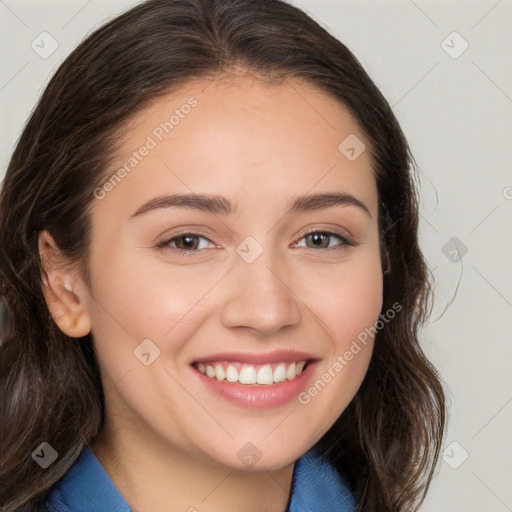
{"points": [[65, 295]]}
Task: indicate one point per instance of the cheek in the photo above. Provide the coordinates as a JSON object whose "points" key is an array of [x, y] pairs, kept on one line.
{"points": [[134, 300], [140, 290], [349, 302], [348, 298], [357, 305]]}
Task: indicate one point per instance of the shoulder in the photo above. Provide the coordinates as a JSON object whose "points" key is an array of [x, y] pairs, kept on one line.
{"points": [[86, 486], [317, 486]]}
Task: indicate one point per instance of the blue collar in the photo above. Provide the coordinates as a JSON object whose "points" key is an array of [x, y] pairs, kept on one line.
{"points": [[87, 487]]}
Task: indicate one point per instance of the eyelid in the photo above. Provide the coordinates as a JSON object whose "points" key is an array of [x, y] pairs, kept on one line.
{"points": [[164, 242], [345, 238]]}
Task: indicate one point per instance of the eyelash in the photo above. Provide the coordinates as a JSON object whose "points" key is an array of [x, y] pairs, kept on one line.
{"points": [[164, 244]]}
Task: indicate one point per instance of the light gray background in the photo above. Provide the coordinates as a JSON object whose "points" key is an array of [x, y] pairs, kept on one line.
{"points": [[457, 115]]}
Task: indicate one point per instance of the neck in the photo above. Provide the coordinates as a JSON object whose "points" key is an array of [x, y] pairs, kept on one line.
{"points": [[151, 475]]}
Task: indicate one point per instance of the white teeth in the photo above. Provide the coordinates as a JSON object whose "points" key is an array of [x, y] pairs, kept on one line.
{"points": [[280, 373], [231, 374], [252, 374], [290, 373], [220, 374], [265, 375], [248, 375]]}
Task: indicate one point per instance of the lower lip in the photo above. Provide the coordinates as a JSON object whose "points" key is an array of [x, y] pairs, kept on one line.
{"points": [[253, 396]]}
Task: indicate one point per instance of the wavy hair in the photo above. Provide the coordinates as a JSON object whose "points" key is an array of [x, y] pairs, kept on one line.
{"points": [[387, 441]]}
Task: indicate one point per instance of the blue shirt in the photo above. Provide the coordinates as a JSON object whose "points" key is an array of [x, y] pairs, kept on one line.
{"points": [[86, 487]]}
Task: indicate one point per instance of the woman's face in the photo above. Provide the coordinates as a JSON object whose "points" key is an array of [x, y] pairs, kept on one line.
{"points": [[235, 170]]}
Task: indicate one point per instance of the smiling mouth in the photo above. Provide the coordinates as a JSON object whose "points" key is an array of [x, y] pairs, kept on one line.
{"points": [[251, 374]]}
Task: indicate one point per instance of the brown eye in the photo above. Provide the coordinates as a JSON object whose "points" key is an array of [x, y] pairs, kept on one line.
{"points": [[183, 243], [186, 242]]}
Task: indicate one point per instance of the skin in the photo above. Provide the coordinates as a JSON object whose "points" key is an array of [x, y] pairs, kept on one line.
{"points": [[168, 443]]}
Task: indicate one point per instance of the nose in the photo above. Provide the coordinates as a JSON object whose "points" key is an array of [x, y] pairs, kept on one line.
{"points": [[260, 297]]}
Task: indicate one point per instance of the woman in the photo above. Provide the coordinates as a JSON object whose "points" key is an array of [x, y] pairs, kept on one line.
{"points": [[209, 237]]}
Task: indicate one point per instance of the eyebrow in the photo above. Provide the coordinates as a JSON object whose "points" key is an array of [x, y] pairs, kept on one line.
{"points": [[222, 206]]}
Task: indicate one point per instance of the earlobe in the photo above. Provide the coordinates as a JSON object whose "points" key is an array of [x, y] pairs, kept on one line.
{"points": [[65, 295]]}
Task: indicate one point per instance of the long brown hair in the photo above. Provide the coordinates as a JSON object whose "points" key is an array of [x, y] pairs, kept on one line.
{"points": [[386, 443]]}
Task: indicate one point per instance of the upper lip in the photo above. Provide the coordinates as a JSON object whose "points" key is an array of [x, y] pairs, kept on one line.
{"points": [[279, 356]]}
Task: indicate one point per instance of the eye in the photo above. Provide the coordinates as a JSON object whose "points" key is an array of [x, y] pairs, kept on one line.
{"points": [[322, 240], [186, 243]]}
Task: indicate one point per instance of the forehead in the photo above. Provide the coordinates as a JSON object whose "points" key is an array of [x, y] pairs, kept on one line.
{"points": [[244, 138]]}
